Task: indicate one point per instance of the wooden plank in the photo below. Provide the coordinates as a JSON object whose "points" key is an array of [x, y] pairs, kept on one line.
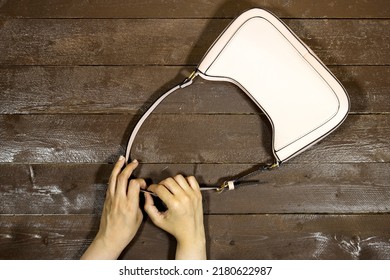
{"points": [[132, 89], [293, 188], [299, 237], [53, 189], [225, 139], [228, 237], [195, 9], [99, 89], [45, 237], [174, 41]]}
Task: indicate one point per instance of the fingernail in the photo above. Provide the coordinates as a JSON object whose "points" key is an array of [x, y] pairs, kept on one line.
{"points": [[121, 158], [135, 161]]}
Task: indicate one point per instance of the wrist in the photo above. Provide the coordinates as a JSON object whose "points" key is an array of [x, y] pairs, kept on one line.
{"points": [[114, 245], [191, 248], [102, 249]]}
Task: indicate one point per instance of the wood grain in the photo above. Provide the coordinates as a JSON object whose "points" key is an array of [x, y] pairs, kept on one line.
{"points": [[194, 9], [228, 237], [132, 89], [75, 76], [247, 139], [174, 41], [293, 188], [225, 139]]}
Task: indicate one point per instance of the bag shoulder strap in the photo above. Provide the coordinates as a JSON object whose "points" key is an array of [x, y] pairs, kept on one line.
{"points": [[185, 83]]}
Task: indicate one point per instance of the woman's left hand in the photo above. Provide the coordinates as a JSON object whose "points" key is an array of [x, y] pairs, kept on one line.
{"points": [[121, 217]]}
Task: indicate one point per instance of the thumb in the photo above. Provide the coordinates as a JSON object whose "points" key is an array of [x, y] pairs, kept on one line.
{"points": [[152, 211]]}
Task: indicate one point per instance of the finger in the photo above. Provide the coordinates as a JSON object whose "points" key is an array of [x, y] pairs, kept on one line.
{"points": [[172, 185], [182, 182], [123, 178], [152, 210], [114, 174], [163, 193], [133, 191], [193, 183]]}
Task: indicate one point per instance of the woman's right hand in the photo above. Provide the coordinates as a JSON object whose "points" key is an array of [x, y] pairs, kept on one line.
{"points": [[184, 216]]}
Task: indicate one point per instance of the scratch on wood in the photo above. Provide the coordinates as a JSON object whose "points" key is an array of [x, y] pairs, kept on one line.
{"points": [[353, 246], [6, 236], [36, 236], [321, 245], [32, 176]]}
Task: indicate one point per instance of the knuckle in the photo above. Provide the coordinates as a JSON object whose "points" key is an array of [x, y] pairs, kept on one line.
{"points": [[123, 177], [191, 179], [176, 204], [186, 199], [166, 181], [154, 187], [134, 183], [196, 196]]}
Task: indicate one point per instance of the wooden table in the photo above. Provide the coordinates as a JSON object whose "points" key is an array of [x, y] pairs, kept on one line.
{"points": [[75, 76]]}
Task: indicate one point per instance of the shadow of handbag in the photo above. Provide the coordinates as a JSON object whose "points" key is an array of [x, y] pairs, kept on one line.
{"points": [[302, 99]]}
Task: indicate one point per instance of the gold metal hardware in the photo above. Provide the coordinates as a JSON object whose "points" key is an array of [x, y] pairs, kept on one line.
{"points": [[222, 187]]}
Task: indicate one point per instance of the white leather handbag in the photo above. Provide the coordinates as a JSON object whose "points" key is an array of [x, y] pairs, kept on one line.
{"points": [[300, 96]]}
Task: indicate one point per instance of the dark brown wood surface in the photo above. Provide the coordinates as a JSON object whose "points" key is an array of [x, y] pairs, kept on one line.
{"points": [[75, 76], [174, 41], [228, 237], [196, 9], [294, 188]]}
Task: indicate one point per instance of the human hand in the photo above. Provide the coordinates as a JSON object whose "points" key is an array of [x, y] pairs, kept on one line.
{"points": [[121, 217], [184, 217]]}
